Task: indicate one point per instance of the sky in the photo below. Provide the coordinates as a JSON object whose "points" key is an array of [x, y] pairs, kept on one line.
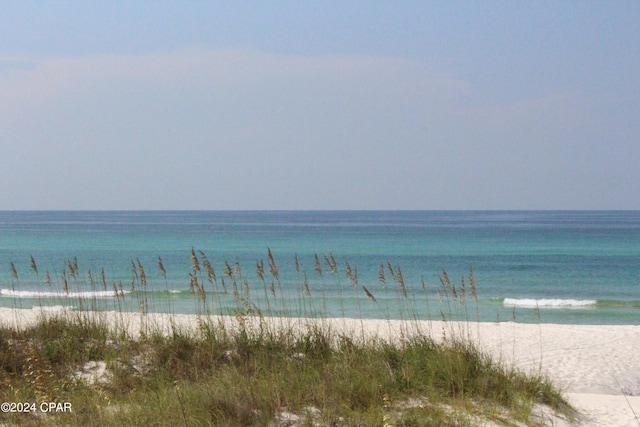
{"points": [[285, 105]]}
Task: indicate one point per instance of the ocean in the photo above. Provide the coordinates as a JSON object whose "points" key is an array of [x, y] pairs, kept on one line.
{"points": [[580, 267]]}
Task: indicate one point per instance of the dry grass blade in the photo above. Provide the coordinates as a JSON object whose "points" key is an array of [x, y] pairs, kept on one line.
{"points": [[73, 268], [347, 272], [381, 276], [143, 275], [331, 263], [65, 281], [369, 294], [211, 274], [472, 284], [227, 269], [273, 269], [34, 266], [14, 271], [163, 271], [245, 288], [195, 265], [392, 272], [260, 270], [400, 280], [444, 280], [134, 271], [193, 282], [317, 266], [307, 290]]}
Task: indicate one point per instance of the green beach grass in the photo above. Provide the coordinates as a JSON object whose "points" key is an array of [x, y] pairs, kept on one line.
{"points": [[252, 370]]}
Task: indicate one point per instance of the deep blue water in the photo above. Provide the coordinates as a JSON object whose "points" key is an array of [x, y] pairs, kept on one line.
{"points": [[575, 266]]}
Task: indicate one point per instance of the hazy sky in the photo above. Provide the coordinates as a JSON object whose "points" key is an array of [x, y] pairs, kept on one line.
{"points": [[320, 105]]}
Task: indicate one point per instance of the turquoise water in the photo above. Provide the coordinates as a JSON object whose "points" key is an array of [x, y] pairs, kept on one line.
{"points": [[574, 266]]}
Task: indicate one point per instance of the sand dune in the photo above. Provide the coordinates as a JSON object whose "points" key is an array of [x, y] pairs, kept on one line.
{"points": [[597, 366]]}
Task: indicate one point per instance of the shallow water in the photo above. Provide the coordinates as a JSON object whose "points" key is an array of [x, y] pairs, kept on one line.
{"points": [[548, 266]]}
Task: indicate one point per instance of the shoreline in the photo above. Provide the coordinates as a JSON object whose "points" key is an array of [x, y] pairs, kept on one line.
{"points": [[597, 366]]}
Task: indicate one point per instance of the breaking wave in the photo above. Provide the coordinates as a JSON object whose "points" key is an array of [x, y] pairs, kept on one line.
{"points": [[52, 294], [549, 303]]}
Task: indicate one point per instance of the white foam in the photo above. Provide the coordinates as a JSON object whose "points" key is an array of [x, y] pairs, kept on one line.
{"points": [[551, 303], [51, 294], [54, 308]]}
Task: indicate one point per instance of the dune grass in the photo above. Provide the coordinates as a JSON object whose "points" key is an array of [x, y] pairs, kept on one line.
{"points": [[247, 370]]}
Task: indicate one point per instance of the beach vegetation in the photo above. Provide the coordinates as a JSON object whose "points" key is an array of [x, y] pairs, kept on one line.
{"points": [[247, 368]]}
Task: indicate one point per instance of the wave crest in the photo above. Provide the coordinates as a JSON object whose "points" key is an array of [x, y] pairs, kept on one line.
{"points": [[550, 302], [51, 294]]}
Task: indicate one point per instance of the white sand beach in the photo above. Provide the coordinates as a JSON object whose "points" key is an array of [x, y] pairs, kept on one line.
{"points": [[598, 367]]}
